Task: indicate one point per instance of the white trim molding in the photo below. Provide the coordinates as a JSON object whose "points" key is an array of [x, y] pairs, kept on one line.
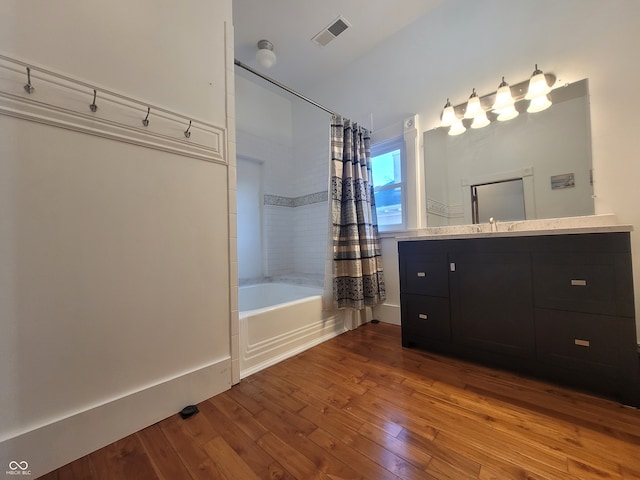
{"points": [[63, 102], [62, 440]]}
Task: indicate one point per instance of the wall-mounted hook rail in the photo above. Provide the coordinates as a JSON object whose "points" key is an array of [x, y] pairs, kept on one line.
{"points": [[62, 102], [93, 106], [145, 122], [28, 87]]}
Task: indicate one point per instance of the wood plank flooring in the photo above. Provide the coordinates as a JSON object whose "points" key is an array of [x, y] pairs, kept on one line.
{"points": [[361, 406]]}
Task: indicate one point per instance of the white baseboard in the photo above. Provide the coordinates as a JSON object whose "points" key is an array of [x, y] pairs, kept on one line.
{"points": [[387, 313], [66, 439]]}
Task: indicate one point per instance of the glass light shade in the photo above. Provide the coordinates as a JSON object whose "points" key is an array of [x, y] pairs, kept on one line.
{"points": [[480, 120], [457, 128], [448, 115], [538, 104], [266, 58], [504, 99], [537, 86], [473, 107], [508, 113]]}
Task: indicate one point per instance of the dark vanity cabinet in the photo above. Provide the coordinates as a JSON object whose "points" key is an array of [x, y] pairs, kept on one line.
{"points": [[557, 306]]}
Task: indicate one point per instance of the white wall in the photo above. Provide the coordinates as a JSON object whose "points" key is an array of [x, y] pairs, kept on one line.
{"points": [[114, 287], [465, 44]]}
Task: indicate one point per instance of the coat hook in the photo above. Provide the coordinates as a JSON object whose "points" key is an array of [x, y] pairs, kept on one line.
{"points": [[93, 106], [28, 88], [145, 122], [187, 133]]}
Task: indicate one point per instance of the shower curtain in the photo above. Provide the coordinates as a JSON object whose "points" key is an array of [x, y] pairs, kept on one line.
{"points": [[358, 279]]}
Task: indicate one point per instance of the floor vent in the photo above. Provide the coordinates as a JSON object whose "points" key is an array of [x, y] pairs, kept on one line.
{"points": [[332, 30]]}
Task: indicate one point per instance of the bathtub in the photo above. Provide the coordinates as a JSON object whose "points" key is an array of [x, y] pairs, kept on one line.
{"points": [[279, 320]]}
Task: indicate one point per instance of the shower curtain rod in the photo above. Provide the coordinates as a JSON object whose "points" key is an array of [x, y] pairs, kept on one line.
{"points": [[284, 87]]}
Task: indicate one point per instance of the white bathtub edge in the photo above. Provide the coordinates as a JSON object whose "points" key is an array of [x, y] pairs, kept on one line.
{"points": [[290, 353]]}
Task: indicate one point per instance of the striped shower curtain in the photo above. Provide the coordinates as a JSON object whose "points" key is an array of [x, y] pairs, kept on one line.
{"points": [[358, 280]]}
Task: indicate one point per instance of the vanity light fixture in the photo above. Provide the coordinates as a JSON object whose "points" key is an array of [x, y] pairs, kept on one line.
{"points": [[539, 104], [473, 106], [265, 55], [448, 116], [457, 128], [474, 110], [537, 92], [480, 120], [504, 104]]}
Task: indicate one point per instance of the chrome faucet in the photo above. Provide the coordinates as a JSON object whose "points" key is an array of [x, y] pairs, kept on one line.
{"points": [[494, 224]]}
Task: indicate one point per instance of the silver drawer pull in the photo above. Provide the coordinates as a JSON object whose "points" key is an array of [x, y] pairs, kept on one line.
{"points": [[579, 283], [582, 343], [452, 266], [422, 274], [422, 316]]}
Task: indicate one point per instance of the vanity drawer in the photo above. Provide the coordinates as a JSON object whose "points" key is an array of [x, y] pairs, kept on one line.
{"points": [[580, 282], [425, 274], [425, 319], [599, 344]]}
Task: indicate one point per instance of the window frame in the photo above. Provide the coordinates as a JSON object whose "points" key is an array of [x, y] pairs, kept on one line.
{"points": [[387, 146]]}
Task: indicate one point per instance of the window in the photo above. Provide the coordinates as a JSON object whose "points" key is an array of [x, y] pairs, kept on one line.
{"points": [[387, 167]]}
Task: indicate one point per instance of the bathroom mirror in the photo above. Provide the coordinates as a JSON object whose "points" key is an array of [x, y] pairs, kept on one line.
{"points": [[549, 151]]}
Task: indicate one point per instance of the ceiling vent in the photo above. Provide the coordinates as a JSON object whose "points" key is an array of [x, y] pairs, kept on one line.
{"points": [[334, 29]]}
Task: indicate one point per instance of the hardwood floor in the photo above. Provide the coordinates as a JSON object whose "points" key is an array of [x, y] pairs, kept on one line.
{"points": [[361, 406]]}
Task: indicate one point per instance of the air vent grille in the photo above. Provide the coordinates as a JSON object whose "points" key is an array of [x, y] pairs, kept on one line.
{"points": [[331, 31]]}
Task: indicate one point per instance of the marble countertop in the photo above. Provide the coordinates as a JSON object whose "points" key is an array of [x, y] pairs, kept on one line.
{"points": [[550, 226]]}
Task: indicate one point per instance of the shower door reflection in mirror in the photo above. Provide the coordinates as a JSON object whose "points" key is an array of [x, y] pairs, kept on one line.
{"points": [[500, 200]]}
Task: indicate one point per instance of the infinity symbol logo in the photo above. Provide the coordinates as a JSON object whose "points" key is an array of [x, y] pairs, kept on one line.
{"points": [[13, 465]]}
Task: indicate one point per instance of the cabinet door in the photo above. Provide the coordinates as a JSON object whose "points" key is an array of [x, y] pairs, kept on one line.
{"points": [[425, 320], [491, 302]]}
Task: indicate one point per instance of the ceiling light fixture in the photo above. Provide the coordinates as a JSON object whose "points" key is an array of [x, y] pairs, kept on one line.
{"points": [[265, 55]]}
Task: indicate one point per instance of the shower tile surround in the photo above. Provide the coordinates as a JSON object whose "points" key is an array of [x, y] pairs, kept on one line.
{"points": [[290, 141], [296, 234], [280, 201]]}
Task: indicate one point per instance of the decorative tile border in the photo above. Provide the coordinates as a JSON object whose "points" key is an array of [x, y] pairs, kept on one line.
{"points": [[279, 201], [317, 197]]}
